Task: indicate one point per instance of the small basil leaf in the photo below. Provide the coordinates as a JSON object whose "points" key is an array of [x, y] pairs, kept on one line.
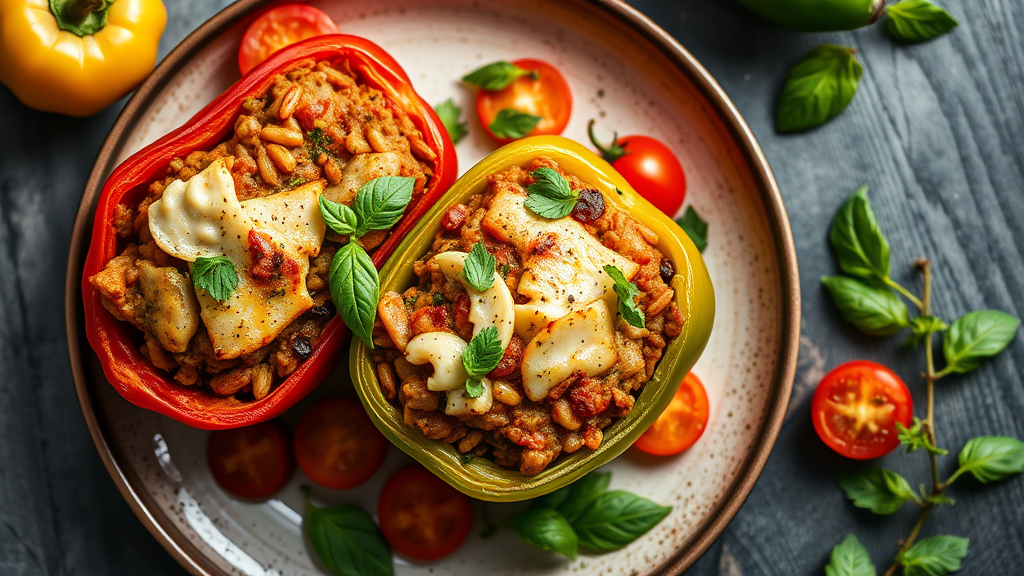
{"points": [[345, 538], [496, 76], [483, 353], [449, 114], [992, 458], [857, 240], [338, 216], [217, 276], [381, 202], [582, 494], [547, 530], [550, 195], [935, 556], [917, 21], [626, 291], [975, 337], [513, 124], [479, 267], [818, 88], [922, 327], [355, 289], [695, 227], [474, 387], [875, 311], [850, 558], [614, 519], [877, 489]]}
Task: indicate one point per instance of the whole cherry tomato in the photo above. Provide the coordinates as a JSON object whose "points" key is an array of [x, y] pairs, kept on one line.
{"points": [[649, 166], [251, 462], [681, 424], [856, 408], [421, 516], [279, 27], [544, 93], [337, 445]]}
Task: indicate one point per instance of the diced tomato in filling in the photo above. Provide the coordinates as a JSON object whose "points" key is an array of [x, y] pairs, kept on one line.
{"points": [[269, 261], [310, 113]]}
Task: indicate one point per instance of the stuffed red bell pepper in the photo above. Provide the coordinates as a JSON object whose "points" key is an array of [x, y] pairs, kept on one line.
{"points": [[206, 284]]}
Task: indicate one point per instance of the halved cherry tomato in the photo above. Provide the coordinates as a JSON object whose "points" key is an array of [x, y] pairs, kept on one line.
{"points": [[251, 462], [649, 166], [337, 446], [681, 424], [856, 408], [544, 93], [421, 516], [279, 27]]}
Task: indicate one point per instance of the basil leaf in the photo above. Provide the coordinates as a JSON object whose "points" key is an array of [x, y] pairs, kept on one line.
{"points": [[511, 123], [922, 327], [850, 558], [975, 337], [217, 276], [858, 242], [918, 21], [338, 216], [875, 311], [381, 202], [496, 76], [449, 114], [695, 227], [479, 268], [582, 493], [547, 530], [483, 353], [550, 195], [818, 88], [934, 556], [474, 387], [614, 519], [992, 458], [915, 437], [877, 489], [347, 541], [355, 289], [626, 291]]}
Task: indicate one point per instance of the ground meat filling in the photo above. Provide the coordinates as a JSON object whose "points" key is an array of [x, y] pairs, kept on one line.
{"points": [[516, 432], [317, 122]]}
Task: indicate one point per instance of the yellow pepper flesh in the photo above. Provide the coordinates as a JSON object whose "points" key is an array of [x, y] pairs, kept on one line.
{"points": [[58, 71]]}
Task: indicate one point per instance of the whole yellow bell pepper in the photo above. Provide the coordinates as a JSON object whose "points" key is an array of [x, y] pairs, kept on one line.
{"points": [[76, 57]]}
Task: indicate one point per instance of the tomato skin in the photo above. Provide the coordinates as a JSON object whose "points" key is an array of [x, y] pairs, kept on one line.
{"points": [[279, 27], [548, 97], [421, 516], [681, 424], [849, 388], [653, 170], [251, 462], [337, 445]]}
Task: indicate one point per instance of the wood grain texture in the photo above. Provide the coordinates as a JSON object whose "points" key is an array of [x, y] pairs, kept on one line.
{"points": [[936, 131]]}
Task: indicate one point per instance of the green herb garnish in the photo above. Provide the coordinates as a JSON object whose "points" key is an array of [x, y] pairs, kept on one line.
{"points": [[347, 541], [449, 114], [496, 76], [818, 88], [479, 268], [217, 276], [318, 143], [512, 124], [914, 21], [338, 216], [626, 292], [482, 355], [695, 227], [550, 195]]}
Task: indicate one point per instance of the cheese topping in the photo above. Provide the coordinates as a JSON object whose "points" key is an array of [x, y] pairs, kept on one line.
{"points": [[492, 307], [443, 350]]}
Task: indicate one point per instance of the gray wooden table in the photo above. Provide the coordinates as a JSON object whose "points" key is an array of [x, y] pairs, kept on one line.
{"points": [[937, 131]]}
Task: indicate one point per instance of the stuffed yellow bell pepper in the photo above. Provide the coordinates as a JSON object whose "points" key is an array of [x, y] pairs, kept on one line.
{"points": [[557, 328], [76, 57]]}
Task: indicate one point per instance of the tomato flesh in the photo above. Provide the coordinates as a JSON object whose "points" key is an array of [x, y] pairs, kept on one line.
{"points": [[547, 96], [856, 407], [279, 27], [423, 517], [653, 170], [681, 424], [337, 445], [251, 462]]}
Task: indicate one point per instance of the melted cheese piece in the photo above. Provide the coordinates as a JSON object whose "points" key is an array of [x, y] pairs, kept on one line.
{"points": [[443, 351], [583, 341], [203, 218], [492, 307], [563, 269]]}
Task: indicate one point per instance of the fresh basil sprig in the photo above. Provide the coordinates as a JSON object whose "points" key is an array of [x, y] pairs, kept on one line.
{"points": [[626, 291], [934, 556], [695, 227], [818, 88], [975, 337], [991, 458], [914, 21], [550, 195], [346, 539], [216, 275], [449, 114], [479, 267], [495, 76], [482, 355], [850, 558], [877, 489], [876, 311], [353, 279], [511, 123]]}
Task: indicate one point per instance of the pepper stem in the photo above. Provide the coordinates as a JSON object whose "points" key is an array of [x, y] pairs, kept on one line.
{"points": [[80, 17], [613, 151]]}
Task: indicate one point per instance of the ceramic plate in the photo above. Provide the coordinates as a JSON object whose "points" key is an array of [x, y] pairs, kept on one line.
{"points": [[633, 78]]}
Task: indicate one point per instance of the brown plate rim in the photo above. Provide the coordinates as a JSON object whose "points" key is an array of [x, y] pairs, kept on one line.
{"points": [[159, 524]]}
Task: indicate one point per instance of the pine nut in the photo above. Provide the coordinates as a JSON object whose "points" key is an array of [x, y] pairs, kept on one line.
{"points": [[282, 136], [333, 171], [290, 102], [335, 77], [376, 140], [267, 170], [281, 157]]}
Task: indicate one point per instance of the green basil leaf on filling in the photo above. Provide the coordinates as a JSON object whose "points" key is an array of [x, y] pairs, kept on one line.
{"points": [[495, 76], [875, 311], [550, 195], [511, 123], [479, 267], [914, 21], [381, 202], [449, 114], [338, 216], [355, 289], [616, 518], [482, 355], [217, 276], [626, 292], [346, 539], [818, 88]]}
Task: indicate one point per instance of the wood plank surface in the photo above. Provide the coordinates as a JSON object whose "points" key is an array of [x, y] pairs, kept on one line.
{"points": [[937, 131]]}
